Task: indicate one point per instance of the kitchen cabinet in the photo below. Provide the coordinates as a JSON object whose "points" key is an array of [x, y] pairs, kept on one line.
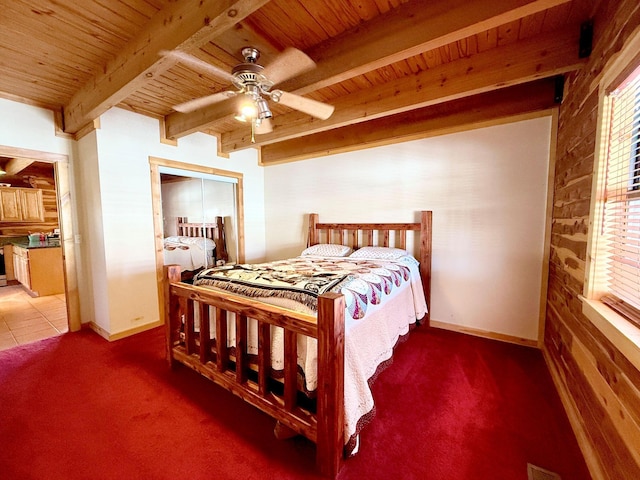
{"points": [[39, 270], [21, 205], [8, 261], [21, 266]]}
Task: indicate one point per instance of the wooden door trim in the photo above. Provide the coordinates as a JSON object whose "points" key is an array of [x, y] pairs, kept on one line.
{"points": [[154, 166], [65, 220]]}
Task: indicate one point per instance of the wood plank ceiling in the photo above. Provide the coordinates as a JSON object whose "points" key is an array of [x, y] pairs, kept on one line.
{"points": [[393, 69]]}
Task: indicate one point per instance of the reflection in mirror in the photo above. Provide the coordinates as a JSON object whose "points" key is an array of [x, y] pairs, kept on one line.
{"points": [[199, 219]]}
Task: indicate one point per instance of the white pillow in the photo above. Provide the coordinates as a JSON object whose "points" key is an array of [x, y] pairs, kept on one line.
{"points": [[380, 253], [206, 243], [178, 239], [327, 250]]}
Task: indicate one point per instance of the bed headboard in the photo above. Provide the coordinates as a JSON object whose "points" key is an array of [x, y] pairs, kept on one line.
{"points": [[358, 235], [214, 231]]}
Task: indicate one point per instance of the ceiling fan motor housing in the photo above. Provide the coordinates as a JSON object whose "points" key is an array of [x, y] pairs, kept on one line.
{"points": [[246, 74]]}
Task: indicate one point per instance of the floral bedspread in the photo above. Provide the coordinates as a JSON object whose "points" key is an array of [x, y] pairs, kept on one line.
{"points": [[303, 279]]}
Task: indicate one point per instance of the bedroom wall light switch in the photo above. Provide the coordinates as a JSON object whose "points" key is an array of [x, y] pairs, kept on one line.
{"points": [[77, 238]]}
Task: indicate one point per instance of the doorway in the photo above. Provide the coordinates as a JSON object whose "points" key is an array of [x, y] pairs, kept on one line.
{"points": [[23, 317]]}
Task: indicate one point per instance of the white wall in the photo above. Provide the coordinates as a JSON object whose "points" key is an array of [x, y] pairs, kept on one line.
{"points": [[125, 142], [487, 189], [92, 267], [24, 126]]}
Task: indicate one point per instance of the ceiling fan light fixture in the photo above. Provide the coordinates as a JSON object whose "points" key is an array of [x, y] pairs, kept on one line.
{"points": [[248, 110], [254, 83], [263, 108]]}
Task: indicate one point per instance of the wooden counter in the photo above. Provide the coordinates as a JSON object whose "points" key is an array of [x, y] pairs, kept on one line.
{"points": [[39, 270]]}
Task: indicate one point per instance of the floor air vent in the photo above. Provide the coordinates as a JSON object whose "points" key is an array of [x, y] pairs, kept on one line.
{"points": [[537, 473]]}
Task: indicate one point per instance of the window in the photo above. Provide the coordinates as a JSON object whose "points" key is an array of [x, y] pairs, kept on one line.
{"points": [[611, 299], [620, 224]]}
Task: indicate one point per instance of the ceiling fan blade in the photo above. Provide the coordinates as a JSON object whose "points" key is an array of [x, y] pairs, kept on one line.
{"points": [[264, 127], [306, 105], [197, 103], [290, 63], [188, 59]]}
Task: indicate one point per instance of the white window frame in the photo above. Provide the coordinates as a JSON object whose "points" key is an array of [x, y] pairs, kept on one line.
{"points": [[622, 333]]}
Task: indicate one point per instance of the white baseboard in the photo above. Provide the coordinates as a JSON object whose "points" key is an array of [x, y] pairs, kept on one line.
{"points": [[125, 333]]}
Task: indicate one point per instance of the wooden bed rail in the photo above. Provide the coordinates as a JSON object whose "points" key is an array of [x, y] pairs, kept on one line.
{"points": [[252, 380]]}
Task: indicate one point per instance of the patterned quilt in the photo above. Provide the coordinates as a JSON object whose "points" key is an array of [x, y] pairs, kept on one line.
{"points": [[303, 279]]}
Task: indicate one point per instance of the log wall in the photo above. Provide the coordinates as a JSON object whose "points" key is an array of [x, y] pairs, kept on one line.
{"points": [[599, 386]]}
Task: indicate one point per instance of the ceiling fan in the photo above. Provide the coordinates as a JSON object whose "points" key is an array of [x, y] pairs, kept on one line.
{"points": [[253, 83]]}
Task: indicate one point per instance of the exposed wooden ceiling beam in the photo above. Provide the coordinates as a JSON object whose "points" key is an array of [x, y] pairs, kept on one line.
{"points": [[408, 30], [180, 124], [183, 25], [404, 32], [544, 56], [245, 34], [16, 165], [471, 112]]}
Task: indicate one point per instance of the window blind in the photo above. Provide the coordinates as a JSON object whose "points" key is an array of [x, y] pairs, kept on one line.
{"points": [[621, 221]]}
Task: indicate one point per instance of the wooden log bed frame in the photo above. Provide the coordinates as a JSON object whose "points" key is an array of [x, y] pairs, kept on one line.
{"points": [[250, 380], [214, 231]]}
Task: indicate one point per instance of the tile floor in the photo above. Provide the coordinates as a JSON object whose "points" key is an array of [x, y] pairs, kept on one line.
{"points": [[25, 319]]}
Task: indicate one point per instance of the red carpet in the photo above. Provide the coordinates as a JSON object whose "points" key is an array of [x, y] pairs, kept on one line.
{"points": [[450, 407]]}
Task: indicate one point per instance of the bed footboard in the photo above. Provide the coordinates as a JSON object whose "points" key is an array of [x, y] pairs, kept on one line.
{"points": [[252, 381]]}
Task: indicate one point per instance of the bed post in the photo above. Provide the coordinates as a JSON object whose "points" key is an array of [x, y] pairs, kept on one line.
{"points": [[220, 240], [313, 232], [330, 440], [171, 306], [425, 258]]}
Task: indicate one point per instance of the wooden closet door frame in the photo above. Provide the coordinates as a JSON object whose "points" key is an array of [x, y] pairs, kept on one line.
{"points": [[65, 219], [154, 167]]}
